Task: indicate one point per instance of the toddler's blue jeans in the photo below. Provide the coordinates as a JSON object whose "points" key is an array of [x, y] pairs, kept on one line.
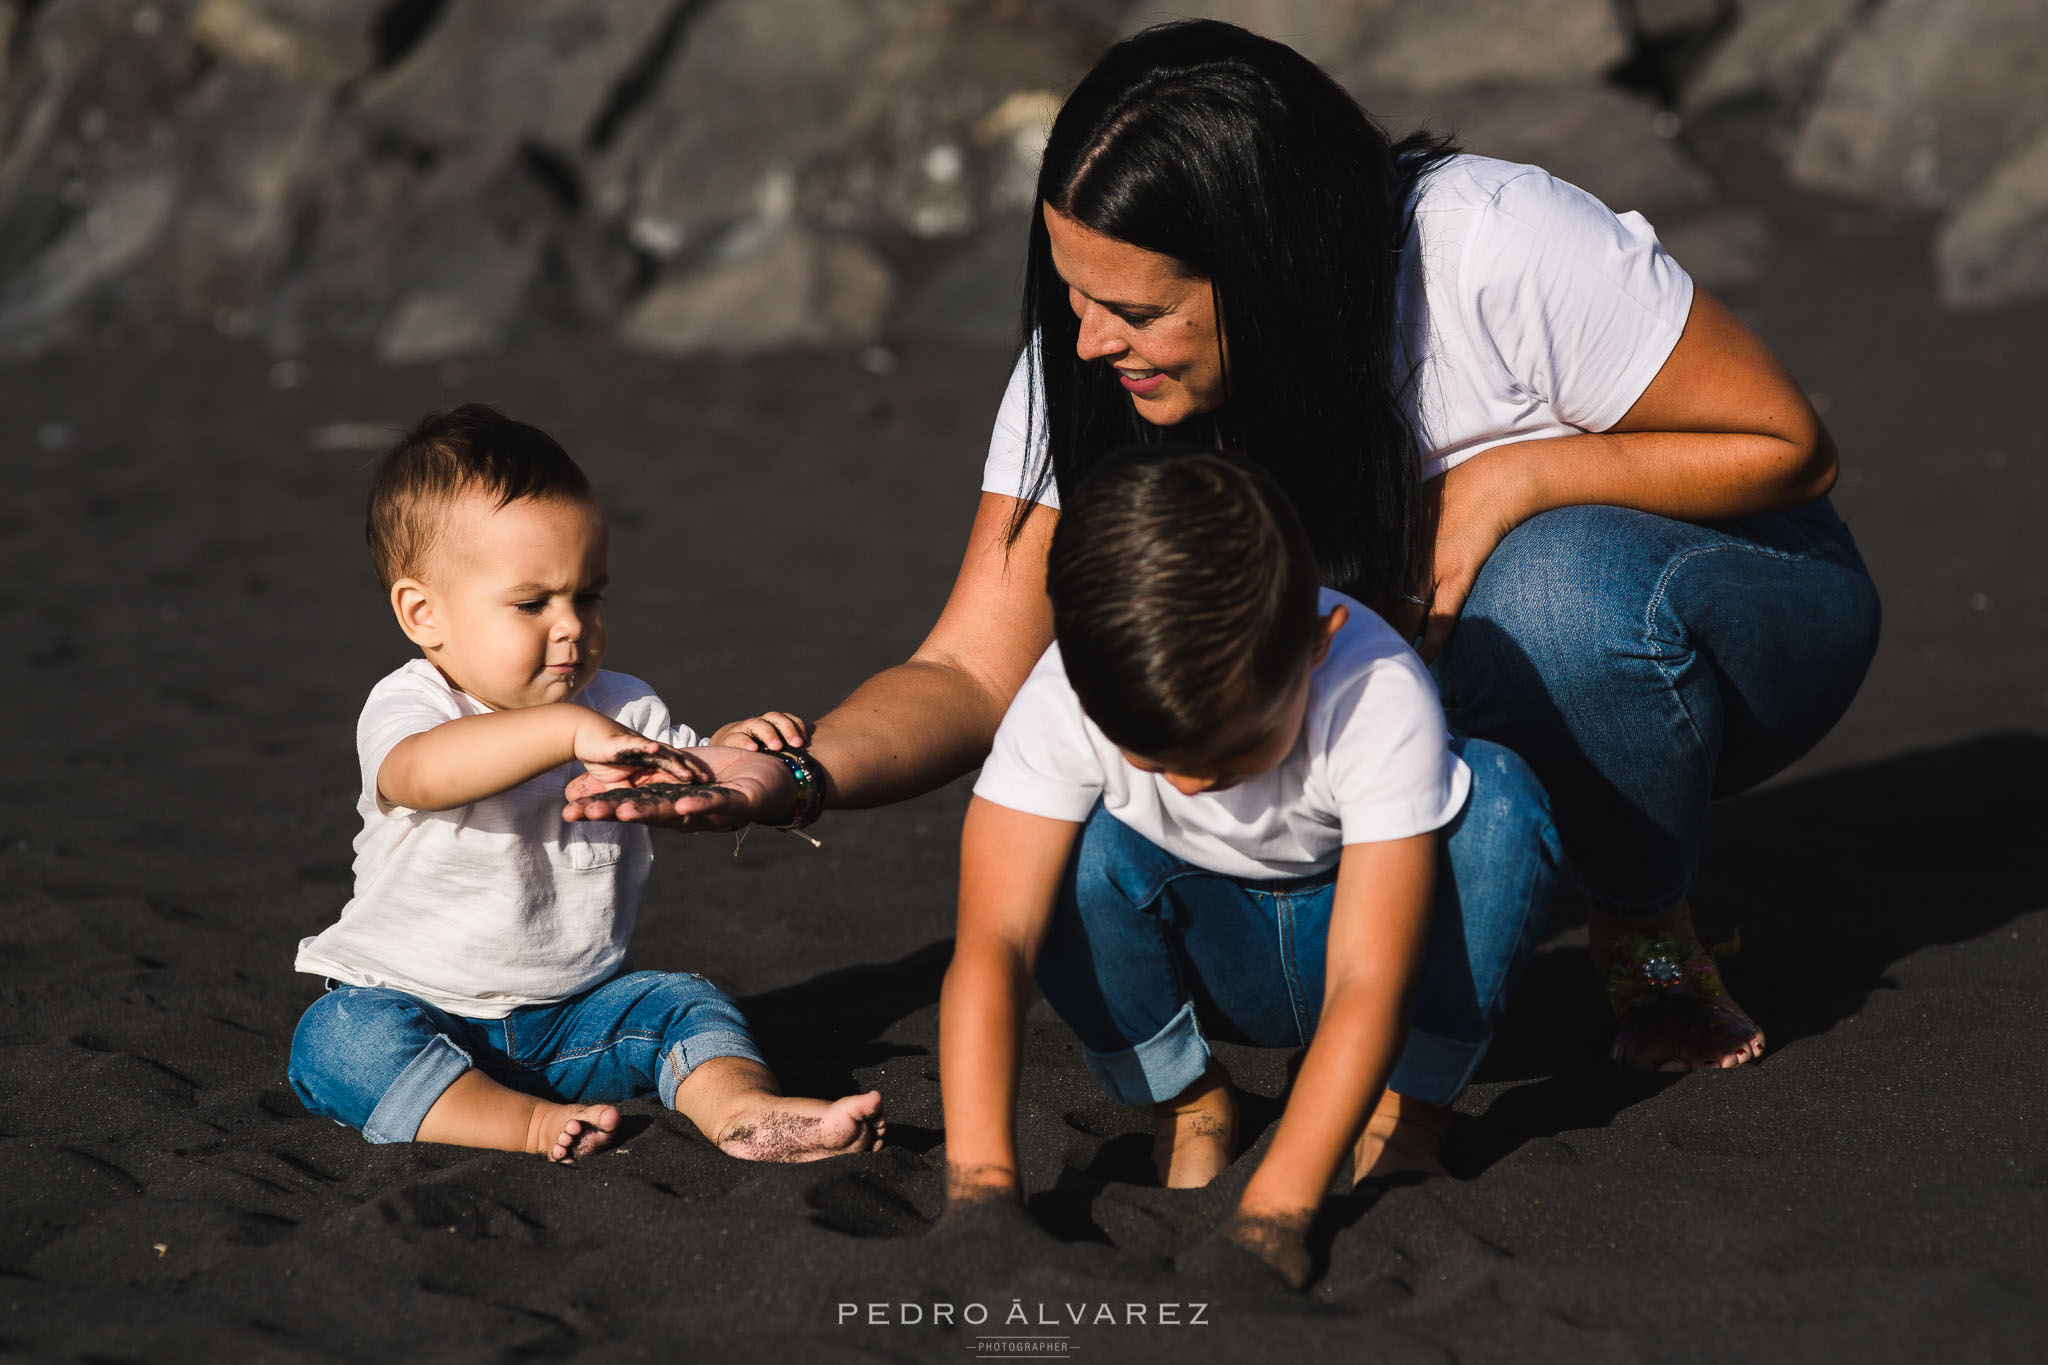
{"points": [[1644, 666], [1148, 955], [376, 1059]]}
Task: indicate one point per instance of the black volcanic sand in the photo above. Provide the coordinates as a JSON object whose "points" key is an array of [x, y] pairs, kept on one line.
{"points": [[196, 628]]}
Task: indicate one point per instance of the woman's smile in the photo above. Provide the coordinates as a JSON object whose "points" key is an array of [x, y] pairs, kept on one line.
{"points": [[1140, 383]]}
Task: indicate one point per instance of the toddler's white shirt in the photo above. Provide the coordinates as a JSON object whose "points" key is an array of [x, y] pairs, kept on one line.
{"points": [[501, 903], [1372, 763]]}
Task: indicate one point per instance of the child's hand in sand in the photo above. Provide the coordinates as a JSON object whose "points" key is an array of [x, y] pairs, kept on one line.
{"points": [[967, 1186], [984, 1202], [1249, 1247], [769, 730], [615, 756]]}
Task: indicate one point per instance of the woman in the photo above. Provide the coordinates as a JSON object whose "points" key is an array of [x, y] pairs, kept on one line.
{"points": [[1510, 423]]}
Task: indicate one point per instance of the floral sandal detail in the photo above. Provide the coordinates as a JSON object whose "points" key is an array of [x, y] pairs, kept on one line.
{"points": [[1667, 991]]}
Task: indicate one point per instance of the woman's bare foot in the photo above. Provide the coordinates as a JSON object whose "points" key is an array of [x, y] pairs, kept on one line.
{"points": [[564, 1132], [792, 1128], [1403, 1135], [1674, 1013], [1195, 1133]]}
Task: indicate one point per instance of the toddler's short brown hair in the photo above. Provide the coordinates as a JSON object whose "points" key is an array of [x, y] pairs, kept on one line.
{"points": [[470, 449]]}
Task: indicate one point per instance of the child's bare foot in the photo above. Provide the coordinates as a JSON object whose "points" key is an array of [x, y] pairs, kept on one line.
{"points": [[785, 1128], [565, 1132], [476, 1111], [1195, 1136], [1674, 1012], [1403, 1135]]}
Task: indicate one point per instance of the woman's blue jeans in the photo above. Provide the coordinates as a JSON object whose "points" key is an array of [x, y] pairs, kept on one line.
{"points": [[1644, 666], [1148, 956]]}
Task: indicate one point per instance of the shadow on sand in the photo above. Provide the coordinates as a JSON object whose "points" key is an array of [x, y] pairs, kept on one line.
{"points": [[1831, 880]]}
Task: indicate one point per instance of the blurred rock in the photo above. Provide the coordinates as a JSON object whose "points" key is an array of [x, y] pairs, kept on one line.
{"points": [[759, 91], [87, 181], [123, 223], [494, 73], [247, 143], [1327, 32], [468, 304], [1720, 249], [1424, 46], [411, 252], [976, 295], [1924, 99], [1452, 44], [966, 144], [1777, 47], [87, 97], [795, 288], [1993, 248], [882, 118], [318, 42], [1602, 139], [1669, 18], [422, 176], [463, 279]]}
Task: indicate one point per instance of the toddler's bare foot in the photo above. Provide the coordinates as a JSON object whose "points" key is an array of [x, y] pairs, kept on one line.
{"points": [[785, 1128], [1403, 1135], [565, 1132], [1674, 1012], [1195, 1134]]}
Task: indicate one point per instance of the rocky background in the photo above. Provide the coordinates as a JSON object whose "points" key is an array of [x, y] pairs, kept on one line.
{"points": [[426, 178]]}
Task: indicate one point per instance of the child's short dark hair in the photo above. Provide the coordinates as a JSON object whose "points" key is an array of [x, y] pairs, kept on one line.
{"points": [[470, 449], [1184, 593]]}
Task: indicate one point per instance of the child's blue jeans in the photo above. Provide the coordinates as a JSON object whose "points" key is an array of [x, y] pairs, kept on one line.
{"points": [[1148, 956], [376, 1059]]}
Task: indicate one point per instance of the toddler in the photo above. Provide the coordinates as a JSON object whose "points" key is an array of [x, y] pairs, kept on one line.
{"points": [[477, 983], [1224, 804]]}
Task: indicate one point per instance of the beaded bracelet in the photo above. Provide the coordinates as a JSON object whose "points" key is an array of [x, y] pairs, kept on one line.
{"points": [[809, 777]]}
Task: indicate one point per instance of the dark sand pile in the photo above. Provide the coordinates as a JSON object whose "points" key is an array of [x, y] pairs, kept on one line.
{"points": [[195, 629]]}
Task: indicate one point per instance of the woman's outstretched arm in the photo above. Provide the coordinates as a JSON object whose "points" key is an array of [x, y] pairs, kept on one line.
{"points": [[1722, 431], [909, 728], [924, 722]]}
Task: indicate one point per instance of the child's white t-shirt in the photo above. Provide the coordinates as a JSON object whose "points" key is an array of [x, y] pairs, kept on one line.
{"points": [[1526, 309], [1372, 763], [501, 903]]}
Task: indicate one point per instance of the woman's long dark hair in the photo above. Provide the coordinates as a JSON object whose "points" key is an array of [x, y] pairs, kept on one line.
{"points": [[1237, 157]]}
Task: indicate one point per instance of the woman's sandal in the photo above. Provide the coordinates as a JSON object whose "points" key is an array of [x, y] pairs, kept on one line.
{"points": [[1667, 990]]}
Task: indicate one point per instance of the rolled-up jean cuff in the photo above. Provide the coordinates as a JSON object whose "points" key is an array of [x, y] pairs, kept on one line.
{"points": [[1157, 1069], [1433, 1068], [680, 1059], [426, 1077]]}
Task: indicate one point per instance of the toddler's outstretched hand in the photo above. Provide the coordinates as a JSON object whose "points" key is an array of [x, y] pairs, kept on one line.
{"points": [[618, 757], [769, 730]]}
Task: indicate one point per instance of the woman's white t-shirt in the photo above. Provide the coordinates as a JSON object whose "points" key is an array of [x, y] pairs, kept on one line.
{"points": [[1372, 763], [1526, 309]]}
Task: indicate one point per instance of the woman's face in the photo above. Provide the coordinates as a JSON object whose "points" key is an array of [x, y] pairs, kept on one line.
{"points": [[1145, 317]]}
